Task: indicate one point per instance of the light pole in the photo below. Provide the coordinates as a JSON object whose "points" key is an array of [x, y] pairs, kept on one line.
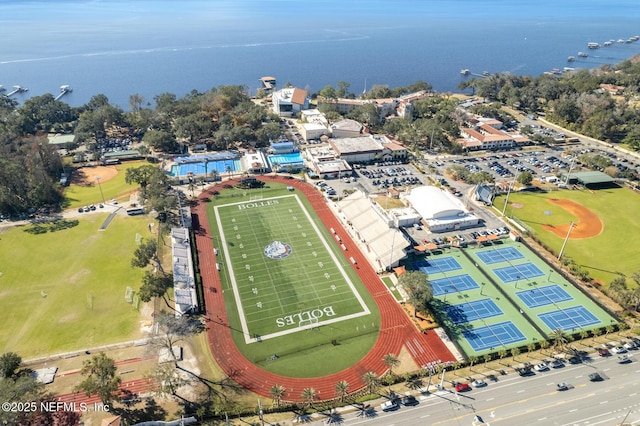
{"points": [[517, 279], [549, 277], [100, 186], [564, 244], [481, 288]]}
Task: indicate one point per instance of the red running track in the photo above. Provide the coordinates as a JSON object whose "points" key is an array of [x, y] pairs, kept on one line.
{"points": [[396, 329]]}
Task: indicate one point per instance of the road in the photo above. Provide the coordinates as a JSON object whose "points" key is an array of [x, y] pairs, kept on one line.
{"points": [[515, 400]]}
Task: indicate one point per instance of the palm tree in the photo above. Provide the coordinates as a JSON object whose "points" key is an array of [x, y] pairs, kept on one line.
{"points": [[277, 392], [309, 395], [342, 389], [544, 344], [596, 333], [414, 382], [472, 360], [372, 381], [609, 329], [584, 334], [487, 358], [214, 175], [559, 338], [275, 166], [515, 352], [391, 361], [502, 353], [228, 169], [530, 347]]}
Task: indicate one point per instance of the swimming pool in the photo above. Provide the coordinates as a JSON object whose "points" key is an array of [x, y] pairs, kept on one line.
{"points": [[284, 160]]}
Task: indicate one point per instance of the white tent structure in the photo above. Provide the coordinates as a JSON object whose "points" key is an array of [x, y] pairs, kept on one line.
{"points": [[183, 275], [440, 210]]}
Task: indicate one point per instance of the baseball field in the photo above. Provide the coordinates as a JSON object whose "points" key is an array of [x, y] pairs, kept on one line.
{"points": [[602, 240]]}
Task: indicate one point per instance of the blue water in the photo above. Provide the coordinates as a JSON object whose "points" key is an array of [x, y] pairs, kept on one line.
{"points": [[119, 48], [286, 159], [205, 168]]}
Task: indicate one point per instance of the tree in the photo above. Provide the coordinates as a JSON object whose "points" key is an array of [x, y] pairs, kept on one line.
{"points": [[502, 353], [161, 140], [596, 333], [486, 358], [472, 360], [544, 344], [584, 334], [277, 392], [9, 363], [146, 252], [155, 286], [530, 347], [481, 177], [609, 329], [144, 175], [372, 381], [515, 352], [21, 387], [172, 329], [100, 378], [391, 361], [418, 288], [309, 396], [559, 338], [525, 178], [169, 379], [342, 389]]}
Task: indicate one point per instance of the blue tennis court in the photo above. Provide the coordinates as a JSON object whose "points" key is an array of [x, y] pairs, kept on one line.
{"points": [[472, 311], [543, 296], [439, 265], [522, 271], [493, 336], [569, 318], [504, 254], [453, 284]]}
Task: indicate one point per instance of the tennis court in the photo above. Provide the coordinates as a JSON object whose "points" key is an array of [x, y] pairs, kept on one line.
{"points": [[493, 336], [518, 272], [569, 318], [542, 296], [453, 284], [440, 265], [472, 311], [504, 254]]}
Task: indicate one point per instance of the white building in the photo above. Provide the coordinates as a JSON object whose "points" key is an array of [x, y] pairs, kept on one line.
{"points": [[290, 101], [346, 128], [255, 162], [440, 210]]}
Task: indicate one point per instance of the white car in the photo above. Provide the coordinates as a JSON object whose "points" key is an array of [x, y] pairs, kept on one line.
{"points": [[479, 383], [618, 350], [541, 367], [630, 345]]}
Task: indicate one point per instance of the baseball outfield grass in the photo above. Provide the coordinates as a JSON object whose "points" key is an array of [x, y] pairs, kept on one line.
{"points": [[606, 255]]}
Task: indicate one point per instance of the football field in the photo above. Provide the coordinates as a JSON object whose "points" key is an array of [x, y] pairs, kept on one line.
{"points": [[283, 270]]}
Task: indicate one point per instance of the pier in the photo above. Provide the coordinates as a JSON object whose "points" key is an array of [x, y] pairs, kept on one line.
{"points": [[17, 89], [63, 91]]}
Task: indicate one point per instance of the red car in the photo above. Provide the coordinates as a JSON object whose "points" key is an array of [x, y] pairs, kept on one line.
{"points": [[604, 352], [462, 387]]}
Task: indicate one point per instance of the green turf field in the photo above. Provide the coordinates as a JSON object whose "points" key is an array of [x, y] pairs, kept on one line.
{"points": [[288, 286], [64, 290], [604, 256]]}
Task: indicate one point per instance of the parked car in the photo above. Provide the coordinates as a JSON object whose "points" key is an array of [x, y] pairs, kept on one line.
{"points": [[409, 401], [562, 386], [479, 383], [574, 360], [462, 387], [630, 345], [604, 352], [618, 350], [556, 363], [541, 367], [389, 406]]}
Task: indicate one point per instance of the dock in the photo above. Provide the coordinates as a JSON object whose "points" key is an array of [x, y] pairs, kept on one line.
{"points": [[64, 89], [17, 89]]}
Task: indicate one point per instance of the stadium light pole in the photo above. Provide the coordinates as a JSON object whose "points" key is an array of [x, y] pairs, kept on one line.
{"points": [[564, 244], [506, 200], [100, 186]]}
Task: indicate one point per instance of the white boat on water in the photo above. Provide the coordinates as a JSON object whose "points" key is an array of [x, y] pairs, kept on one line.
{"points": [[607, 43], [583, 55], [464, 71], [593, 45], [571, 58]]}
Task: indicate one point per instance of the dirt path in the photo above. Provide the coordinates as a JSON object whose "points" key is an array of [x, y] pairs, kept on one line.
{"points": [[588, 225]]}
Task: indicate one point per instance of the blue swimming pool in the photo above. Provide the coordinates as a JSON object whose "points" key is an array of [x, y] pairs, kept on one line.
{"points": [[284, 160]]}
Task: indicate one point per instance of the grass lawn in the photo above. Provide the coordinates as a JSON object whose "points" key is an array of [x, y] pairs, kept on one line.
{"points": [[604, 256], [75, 268], [274, 290], [78, 196]]}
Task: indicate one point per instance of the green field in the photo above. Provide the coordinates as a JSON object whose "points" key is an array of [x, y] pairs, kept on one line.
{"points": [[64, 290], [289, 288], [604, 256]]}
